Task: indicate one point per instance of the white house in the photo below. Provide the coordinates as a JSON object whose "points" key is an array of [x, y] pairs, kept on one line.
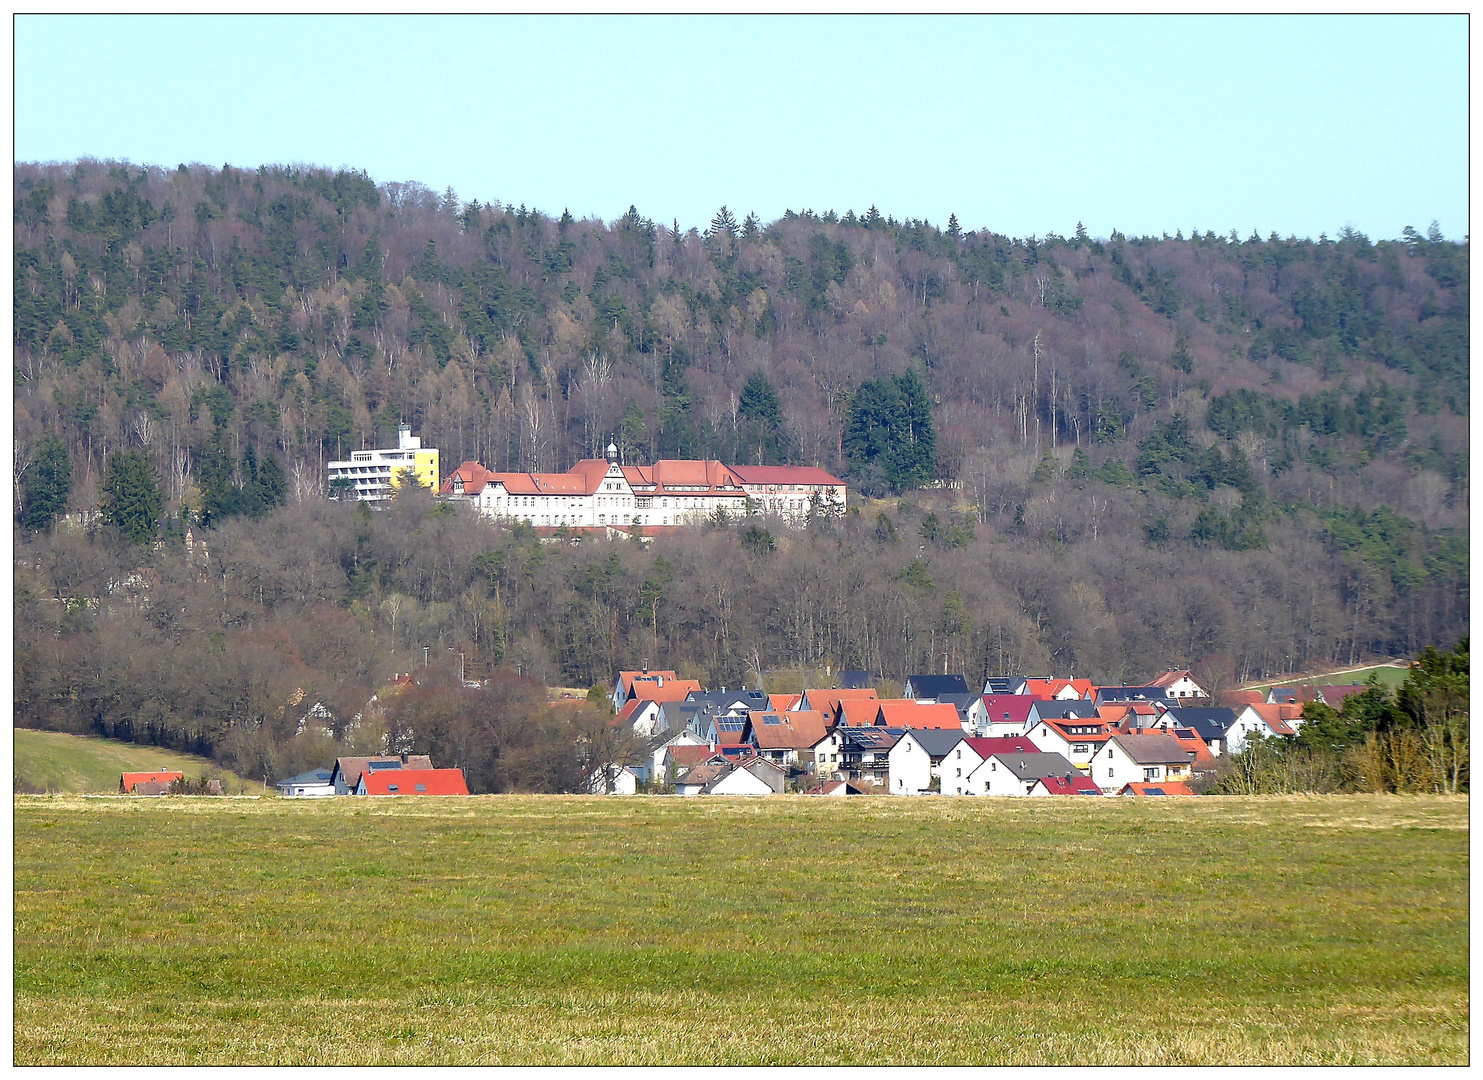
{"points": [[1126, 759], [914, 762], [1073, 738], [969, 753], [314, 784], [613, 780], [1179, 684], [753, 777], [1265, 720], [1015, 774]]}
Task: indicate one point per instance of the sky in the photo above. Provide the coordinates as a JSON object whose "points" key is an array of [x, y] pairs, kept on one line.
{"points": [[1022, 125]]}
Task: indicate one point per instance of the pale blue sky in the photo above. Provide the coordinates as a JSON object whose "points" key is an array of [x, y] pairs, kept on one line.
{"points": [[1018, 124]]}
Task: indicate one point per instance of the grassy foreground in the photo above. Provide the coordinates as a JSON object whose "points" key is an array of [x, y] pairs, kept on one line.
{"points": [[564, 930], [77, 764]]}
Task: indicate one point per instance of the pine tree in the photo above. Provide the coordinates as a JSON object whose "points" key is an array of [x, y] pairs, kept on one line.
{"points": [[751, 228], [132, 504], [953, 228], [723, 222], [46, 485]]}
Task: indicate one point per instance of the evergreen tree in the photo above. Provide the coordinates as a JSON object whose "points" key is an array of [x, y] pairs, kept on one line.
{"points": [[46, 485], [723, 222], [132, 503], [751, 228], [889, 435], [953, 228], [762, 411]]}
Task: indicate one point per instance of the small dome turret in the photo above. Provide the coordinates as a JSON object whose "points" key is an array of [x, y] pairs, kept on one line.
{"points": [[612, 452]]}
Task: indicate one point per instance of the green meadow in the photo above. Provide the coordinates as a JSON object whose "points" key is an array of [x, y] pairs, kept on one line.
{"points": [[566, 930], [54, 761]]}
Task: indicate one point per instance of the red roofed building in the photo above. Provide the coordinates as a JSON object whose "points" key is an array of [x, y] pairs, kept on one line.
{"points": [[1065, 785], [130, 780], [1060, 689], [597, 493], [1167, 787], [1007, 714], [909, 714], [412, 782]]}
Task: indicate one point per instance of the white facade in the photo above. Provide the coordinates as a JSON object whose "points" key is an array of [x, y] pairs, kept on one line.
{"points": [[1247, 721], [908, 767], [1184, 687], [661, 755], [613, 780], [373, 472], [740, 781], [992, 777], [957, 767], [1112, 768], [1077, 751]]}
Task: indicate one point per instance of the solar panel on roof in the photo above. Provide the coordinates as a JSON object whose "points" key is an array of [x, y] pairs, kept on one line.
{"points": [[377, 766], [1153, 791], [772, 721]]}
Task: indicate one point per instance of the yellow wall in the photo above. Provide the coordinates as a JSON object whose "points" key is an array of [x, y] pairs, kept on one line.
{"points": [[425, 465]]}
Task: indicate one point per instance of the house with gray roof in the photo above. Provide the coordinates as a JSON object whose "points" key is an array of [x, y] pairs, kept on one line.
{"points": [[916, 760], [1016, 773], [1128, 759]]}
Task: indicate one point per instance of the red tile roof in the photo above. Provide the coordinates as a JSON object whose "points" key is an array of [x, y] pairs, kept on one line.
{"points": [[1006, 744], [1168, 787], [828, 701], [909, 714], [626, 679], [1016, 705], [409, 781], [1070, 785], [1049, 688], [785, 474], [127, 781], [789, 731], [858, 712]]}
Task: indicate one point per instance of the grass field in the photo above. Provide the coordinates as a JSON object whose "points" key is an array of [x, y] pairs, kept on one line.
{"points": [[73, 764], [1389, 675], [564, 930]]}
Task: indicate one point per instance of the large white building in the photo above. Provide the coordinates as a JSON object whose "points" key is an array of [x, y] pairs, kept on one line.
{"points": [[375, 474], [595, 493]]}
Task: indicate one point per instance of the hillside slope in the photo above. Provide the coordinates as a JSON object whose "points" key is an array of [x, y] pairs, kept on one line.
{"points": [[54, 761]]}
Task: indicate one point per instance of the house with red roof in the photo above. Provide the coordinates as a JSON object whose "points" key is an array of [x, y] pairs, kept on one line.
{"points": [[1175, 787], [1179, 684], [1065, 785], [1074, 738], [153, 783], [783, 738], [1006, 714], [631, 684], [412, 782], [972, 752], [911, 714], [1060, 689], [1153, 759], [830, 702]]}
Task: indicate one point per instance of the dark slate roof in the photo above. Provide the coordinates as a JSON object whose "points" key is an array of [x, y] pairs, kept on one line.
{"points": [[856, 680], [869, 738], [1060, 710], [937, 741], [752, 699], [1036, 766], [935, 686], [1131, 693], [961, 702], [1001, 684], [313, 776], [1208, 723]]}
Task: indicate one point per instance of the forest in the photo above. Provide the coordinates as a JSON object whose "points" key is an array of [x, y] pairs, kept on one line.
{"points": [[1089, 456]]}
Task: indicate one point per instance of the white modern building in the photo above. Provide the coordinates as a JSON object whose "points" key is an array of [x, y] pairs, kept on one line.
{"points": [[374, 475]]}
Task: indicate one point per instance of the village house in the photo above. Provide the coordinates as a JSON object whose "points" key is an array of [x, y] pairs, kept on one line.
{"points": [[830, 702], [1265, 720], [613, 779], [1057, 689], [916, 714], [625, 687], [718, 776], [1212, 724], [1179, 684], [347, 771], [782, 737], [1006, 714], [375, 781], [972, 716], [971, 752], [914, 762], [860, 753], [314, 784], [1015, 774], [1074, 739], [1065, 785], [1125, 759], [834, 789], [148, 783], [1175, 787], [929, 688]]}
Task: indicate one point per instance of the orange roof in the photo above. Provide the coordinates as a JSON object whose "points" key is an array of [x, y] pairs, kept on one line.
{"points": [[782, 702], [127, 781], [1239, 698], [626, 679], [1274, 717], [415, 782], [672, 476], [1169, 678], [1063, 729], [828, 701], [473, 475], [1194, 745], [858, 712], [909, 714], [1116, 712], [785, 474], [1170, 787], [1049, 688], [788, 731]]}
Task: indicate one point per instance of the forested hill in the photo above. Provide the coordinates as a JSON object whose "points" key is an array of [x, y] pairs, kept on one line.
{"points": [[1139, 450]]}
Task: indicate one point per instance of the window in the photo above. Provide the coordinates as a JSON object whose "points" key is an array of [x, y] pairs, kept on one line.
{"points": [[391, 788], [422, 788], [1151, 774], [960, 772], [1109, 770]]}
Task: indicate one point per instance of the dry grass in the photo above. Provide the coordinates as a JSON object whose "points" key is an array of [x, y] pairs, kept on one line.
{"points": [[505, 930]]}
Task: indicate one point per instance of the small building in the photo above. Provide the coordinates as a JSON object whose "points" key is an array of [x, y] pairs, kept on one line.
{"points": [[314, 784], [918, 714], [1125, 759], [346, 774], [1213, 725], [613, 780], [915, 761], [972, 752], [412, 782], [751, 777], [834, 789], [1175, 787], [375, 475], [1179, 684], [1075, 739], [1006, 714], [1015, 774], [1065, 785], [929, 688], [148, 783]]}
